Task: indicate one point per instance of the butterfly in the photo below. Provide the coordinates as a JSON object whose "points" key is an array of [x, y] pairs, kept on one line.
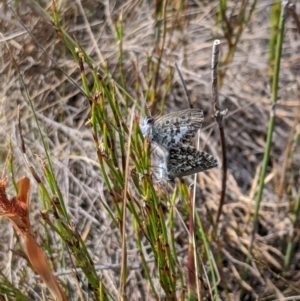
{"points": [[185, 160], [170, 130]]}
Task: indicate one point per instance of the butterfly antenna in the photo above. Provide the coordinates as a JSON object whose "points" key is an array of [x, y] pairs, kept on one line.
{"points": [[158, 114], [188, 99], [148, 109]]}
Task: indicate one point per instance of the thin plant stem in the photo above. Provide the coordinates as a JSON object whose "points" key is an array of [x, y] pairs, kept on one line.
{"points": [[45, 146], [290, 245], [292, 12], [192, 251], [122, 294], [218, 115], [296, 211], [46, 53], [193, 205], [271, 120], [184, 87], [287, 156]]}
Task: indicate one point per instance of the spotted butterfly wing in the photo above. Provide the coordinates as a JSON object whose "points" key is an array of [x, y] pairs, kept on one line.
{"points": [[173, 129], [184, 161]]}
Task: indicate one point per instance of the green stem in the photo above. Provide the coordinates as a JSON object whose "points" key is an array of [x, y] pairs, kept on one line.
{"points": [[272, 117]]}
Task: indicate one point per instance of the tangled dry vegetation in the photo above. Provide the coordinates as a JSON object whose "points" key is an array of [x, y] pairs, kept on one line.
{"points": [[134, 46]]}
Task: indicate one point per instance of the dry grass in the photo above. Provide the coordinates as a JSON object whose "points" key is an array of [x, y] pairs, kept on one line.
{"points": [[141, 63]]}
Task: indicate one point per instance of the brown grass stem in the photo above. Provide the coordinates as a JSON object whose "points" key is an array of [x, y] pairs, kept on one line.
{"points": [[292, 12], [193, 269], [187, 96], [122, 295], [159, 49], [296, 210], [287, 156], [233, 30], [218, 115]]}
